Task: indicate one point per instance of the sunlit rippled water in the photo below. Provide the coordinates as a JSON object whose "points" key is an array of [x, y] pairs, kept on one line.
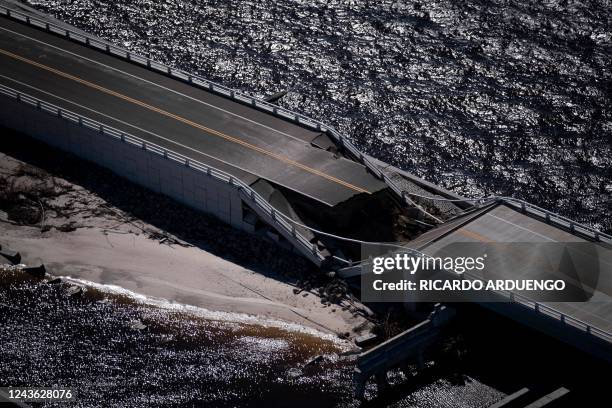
{"points": [[503, 97], [182, 356], [482, 97], [185, 356]]}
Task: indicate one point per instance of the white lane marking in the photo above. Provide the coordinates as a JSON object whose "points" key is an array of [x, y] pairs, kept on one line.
{"points": [[168, 140], [124, 123], [155, 84], [548, 238], [520, 227]]}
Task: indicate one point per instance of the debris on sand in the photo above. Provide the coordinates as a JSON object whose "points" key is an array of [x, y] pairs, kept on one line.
{"points": [[36, 271], [74, 291], [67, 196], [366, 340], [13, 257], [334, 291]]}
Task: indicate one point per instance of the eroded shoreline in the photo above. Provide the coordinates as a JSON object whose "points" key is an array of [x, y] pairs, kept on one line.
{"points": [[85, 223]]}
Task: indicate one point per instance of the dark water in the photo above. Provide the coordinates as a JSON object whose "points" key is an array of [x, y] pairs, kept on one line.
{"points": [[88, 343], [497, 97], [184, 357], [191, 357], [483, 97]]}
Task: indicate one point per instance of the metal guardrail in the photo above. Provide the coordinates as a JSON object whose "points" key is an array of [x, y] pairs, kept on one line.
{"points": [[440, 316], [398, 350], [208, 85], [298, 119], [524, 301], [557, 220], [275, 110], [247, 193], [544, 309], [550, 312]]}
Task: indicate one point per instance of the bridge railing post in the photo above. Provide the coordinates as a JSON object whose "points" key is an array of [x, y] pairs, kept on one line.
{"points": [[302, 242]]}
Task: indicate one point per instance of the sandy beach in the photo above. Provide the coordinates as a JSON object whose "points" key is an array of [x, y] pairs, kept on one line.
{"points": [[74, 238]]}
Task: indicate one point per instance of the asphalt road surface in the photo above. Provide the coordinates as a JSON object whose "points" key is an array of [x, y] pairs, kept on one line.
{"points": [[214, 130]]}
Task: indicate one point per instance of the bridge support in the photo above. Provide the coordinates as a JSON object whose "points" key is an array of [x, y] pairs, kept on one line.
{"points": [[397, 351]]}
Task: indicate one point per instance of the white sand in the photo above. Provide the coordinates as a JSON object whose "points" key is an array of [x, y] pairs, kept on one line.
{"points": [[184, 275], [109, 251]]}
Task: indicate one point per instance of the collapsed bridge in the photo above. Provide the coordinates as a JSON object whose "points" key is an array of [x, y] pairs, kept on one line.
{"points": [[253, 164], [250, 163]]}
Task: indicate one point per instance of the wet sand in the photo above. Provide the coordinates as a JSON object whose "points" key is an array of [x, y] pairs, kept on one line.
{"points": [[110, 248], [185, 275]]}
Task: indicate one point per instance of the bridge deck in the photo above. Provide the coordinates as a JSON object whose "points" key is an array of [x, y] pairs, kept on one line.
{"points": [[504, 224], [238, 139]]}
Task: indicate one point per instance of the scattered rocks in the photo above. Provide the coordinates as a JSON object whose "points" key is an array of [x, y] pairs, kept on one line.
{"points": [[12, 256], [36, 271], [74, 291], [68, 227], [333, 292], [366, 340], [344, 335]]}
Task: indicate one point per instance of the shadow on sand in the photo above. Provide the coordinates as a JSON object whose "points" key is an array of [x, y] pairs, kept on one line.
{"points": [[204, 231]]}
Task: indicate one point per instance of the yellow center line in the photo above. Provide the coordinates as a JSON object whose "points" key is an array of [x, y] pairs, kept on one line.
{"points": [[473, 235], [186, 121]]}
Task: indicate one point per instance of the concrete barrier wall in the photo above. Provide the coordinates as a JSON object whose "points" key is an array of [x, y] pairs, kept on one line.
{"points": [[146, 168]]}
